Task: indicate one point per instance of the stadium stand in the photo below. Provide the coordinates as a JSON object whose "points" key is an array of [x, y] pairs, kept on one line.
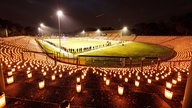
{"points": [[22, 55]]}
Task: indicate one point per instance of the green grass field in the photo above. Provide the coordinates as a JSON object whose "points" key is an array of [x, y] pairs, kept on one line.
{"points": [[136, 50]]}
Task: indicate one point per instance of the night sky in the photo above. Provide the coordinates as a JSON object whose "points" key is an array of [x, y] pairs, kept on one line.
{"points": [[79, 14]]}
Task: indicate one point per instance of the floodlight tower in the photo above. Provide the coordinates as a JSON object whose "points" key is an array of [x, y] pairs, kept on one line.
{"points": [[59, 15], [124, 30], [41, 28], [42, 25], [83, 32], [98, 32]]}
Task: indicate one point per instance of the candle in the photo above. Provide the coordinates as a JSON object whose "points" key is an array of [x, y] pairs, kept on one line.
{"points": [[10, 73], [120, 89], [168, 85], [78, 87], [60, 75], [174, 81], [10, 80], [78, 80], [126, 79], [41, 84], [53, 77], [2, 100], [168, 94], [136, 83], [149, 81], [29, 75], [107, 82]]}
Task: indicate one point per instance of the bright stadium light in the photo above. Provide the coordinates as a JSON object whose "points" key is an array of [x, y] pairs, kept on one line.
{"points": [[98, 32], [59, 13], [83, 31], [39, 30], [124, 31], [42, 25]]}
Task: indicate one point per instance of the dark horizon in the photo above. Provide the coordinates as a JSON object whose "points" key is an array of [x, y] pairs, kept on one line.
{"points": [[81, 14]]}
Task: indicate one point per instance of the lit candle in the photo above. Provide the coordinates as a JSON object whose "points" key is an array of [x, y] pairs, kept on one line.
{"points": [[174, 81], [129, 75], [149, 81], [82, 77], [156, 78], [60, 75], [53, 77], [41, 84], [120, 89], [29, 75], [78, 79], [104, 78], [126, 79], [136, 83], [44, 73], [100, 74], [10, 80], [179, 79], [168, 85], [78, 87], [107, 82], [70, 73], [146, 76], [120, 76], [13, 70], [168, 94], [28, 71], [42, 70], [138, 78], [55, 72], [162, 77], [2, 100], [10, 73]]}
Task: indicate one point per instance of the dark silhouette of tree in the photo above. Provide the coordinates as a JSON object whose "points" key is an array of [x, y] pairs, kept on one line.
{"points": [[14, 29], [176, 25]]}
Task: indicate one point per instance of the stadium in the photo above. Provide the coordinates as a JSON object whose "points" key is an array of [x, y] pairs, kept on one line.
{"points": [[90, 70]]}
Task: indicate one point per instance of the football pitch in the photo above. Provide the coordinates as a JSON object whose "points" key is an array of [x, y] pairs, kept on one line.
{"points": [[135, 50], [75, 43]]}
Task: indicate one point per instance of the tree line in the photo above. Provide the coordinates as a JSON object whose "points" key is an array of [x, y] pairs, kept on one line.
{"points": [[176, 25], [8, 28]]}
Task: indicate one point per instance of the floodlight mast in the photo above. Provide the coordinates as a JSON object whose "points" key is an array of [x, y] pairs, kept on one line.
{"points": [[124, 30], [42, 25], [59, 15], [40, 29]]}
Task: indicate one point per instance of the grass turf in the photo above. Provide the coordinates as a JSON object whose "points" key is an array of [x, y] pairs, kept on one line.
{"points": [[136, 50]]}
